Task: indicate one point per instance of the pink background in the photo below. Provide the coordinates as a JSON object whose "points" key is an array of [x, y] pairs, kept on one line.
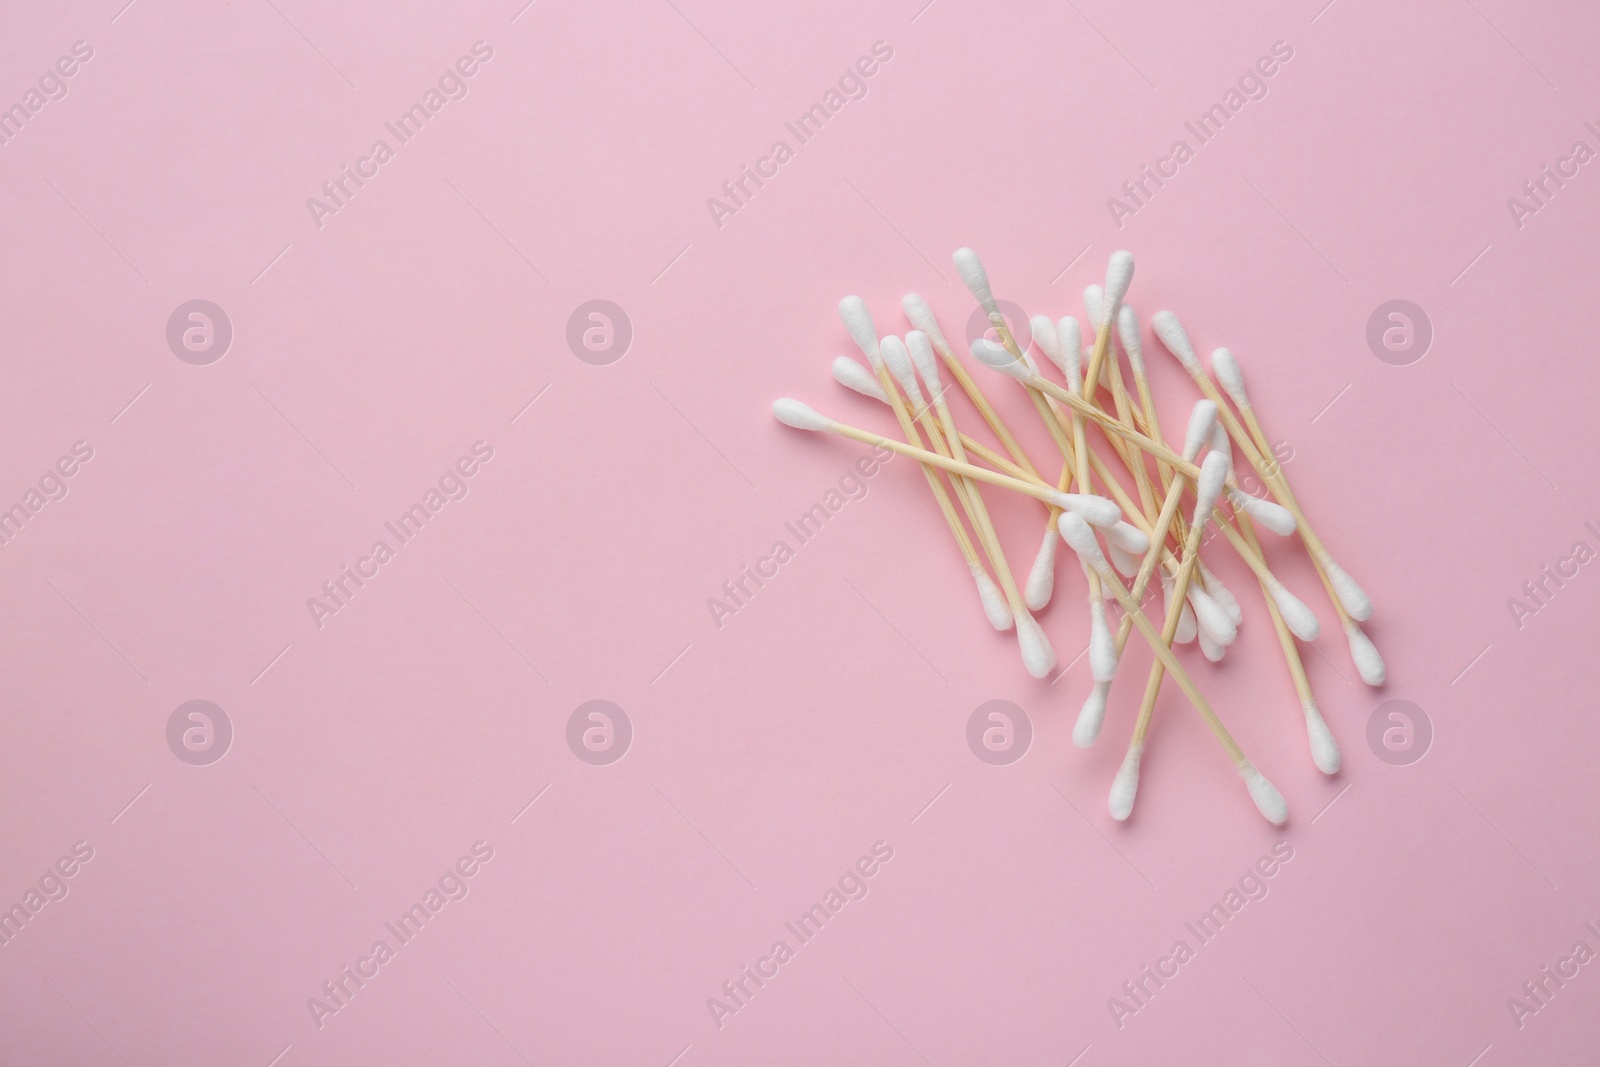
{"points": [[830, 713]]}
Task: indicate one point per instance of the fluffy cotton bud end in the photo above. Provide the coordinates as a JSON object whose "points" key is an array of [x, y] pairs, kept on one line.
{"points": [[1128, 330], [793, 413], [1324, 749], [923, 359], [921, 317], [1119, 275], [1176, 340], [898, 360], [970, 267], [1226, 368], [994, 604], [1202, 423], [1092, 715], [1125, 786], [1069, 337], [1044, 335], [1209, 486], [1269, 802], [852, 375], [1102, 646], [1351, 595], [1042, 578], [1368, 661], [858, 322]]}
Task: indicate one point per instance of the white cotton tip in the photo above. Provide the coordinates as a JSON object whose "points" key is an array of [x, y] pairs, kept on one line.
{"points": [[1175, 340], [1226, 368], [1126, 563], [1119, 275], [994, 604], [923, 359], [1351, 595], [1369, 663], [1128, 537], [1221, 593], [1221, 443], [1076, 533], [858, 322], [852, 375], [921, 318], [1132, 344], [1069, 337], [1102, 646], [1214, 622], [970, 267], [1125, 786], [1269, 802], [1275, 517], [1188, 628], [793, 413], [1324, 749], [1044, 335], [898, 360], [1212, 650], [1037, 655], [1301, 620], [1042, 578], [992, 355], [1202, 427], [1092, 715], [1093, 301], [1096, 510], [1213, 472]]}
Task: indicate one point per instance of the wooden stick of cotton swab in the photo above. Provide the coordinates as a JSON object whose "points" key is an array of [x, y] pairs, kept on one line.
{"points": [[1263, 793], [1350, 602], [1133, 346], [858, 322], [1125, 786], [1176, 340], [1324, 749], [976, 278], [1092, 715], [1096, 510], [1299, 617], [1037, 653]]}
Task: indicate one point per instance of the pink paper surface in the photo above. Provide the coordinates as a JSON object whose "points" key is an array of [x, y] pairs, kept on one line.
{"points": [[380, 339]]}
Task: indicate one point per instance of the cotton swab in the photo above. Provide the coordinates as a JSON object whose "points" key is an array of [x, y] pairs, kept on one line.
{"points": [[976, 278], [1324, 749], [905, 361], [1176, 340], [858, 322], [1226, 368], [852, 375], [1349, 600], [922, 318], [1094, 509], [1267, 799], [1092, 714]]}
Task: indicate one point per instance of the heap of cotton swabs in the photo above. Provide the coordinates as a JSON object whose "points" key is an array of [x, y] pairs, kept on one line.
{"points": [[1091, 414]]}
